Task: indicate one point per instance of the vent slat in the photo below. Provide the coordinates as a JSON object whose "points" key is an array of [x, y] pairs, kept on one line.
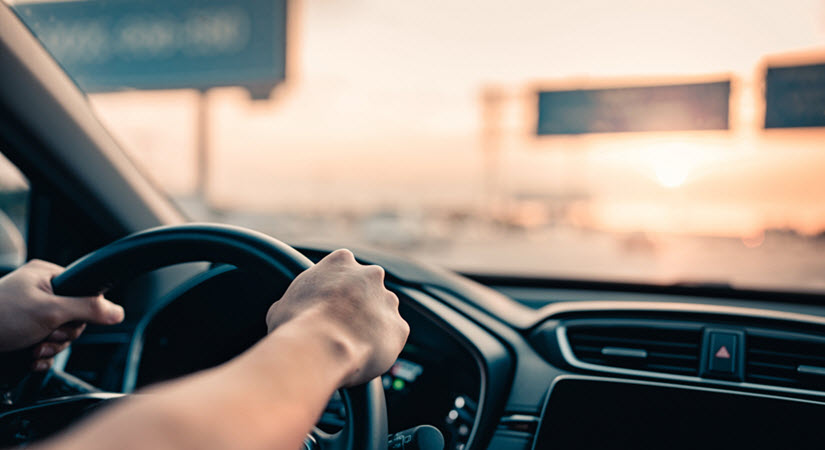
{"points": [[589, 348], [767, 379], [634, 341], [669, 368], [786, 355], [667, 350], [685, 357], [650, 354], [758, 364], [775, 358]]}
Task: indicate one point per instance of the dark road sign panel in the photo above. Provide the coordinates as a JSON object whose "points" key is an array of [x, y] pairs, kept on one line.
{"points": [[795, 96], [699, 106], [144, 44]]}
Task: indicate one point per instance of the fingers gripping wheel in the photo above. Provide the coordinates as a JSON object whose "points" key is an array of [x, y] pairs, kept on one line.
{"points": [[249, 250]]}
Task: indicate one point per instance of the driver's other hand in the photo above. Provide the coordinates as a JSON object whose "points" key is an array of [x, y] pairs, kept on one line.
{"points": [[339, 295], [30, 313]]}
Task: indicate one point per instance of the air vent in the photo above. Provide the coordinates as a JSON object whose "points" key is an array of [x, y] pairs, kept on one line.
{"points": [[785, 359], [654, 348]]}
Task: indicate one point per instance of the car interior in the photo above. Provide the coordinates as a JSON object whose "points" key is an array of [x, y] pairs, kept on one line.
{"points": [[493, 361]]}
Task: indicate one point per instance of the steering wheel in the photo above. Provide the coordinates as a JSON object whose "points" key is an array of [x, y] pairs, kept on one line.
{"points": [[255, 252]]}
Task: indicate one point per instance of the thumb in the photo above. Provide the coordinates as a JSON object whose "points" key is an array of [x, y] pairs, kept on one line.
{"points": [[90, 309]]}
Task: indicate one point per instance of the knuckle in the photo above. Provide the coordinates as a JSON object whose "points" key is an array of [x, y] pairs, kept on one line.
{"points": [[393, 299], [96, 306], [342, 254], [47, 350], [405, 329], [375, 271]]}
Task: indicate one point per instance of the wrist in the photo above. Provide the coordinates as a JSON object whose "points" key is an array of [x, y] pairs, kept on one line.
{"points": [[330, 340], [312, 343]]}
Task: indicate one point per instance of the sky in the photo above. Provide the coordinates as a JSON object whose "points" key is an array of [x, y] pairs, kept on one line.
{"points": [[382, 107]]}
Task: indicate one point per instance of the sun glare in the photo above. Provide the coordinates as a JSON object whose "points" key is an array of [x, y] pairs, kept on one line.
{"points": [[672, 163], [670, 174]]}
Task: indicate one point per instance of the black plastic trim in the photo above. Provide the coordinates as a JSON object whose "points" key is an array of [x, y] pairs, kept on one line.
{"points": [[654, 383], [492, 357]]}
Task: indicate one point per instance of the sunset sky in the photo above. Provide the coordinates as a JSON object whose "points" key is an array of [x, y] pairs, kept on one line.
{"points": [[382, 106]]}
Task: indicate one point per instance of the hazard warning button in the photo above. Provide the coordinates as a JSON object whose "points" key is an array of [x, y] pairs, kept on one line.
{"points": [[723, 353]]}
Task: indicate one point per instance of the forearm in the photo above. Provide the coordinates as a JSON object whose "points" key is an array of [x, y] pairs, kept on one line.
{"points": [[269, 397]]}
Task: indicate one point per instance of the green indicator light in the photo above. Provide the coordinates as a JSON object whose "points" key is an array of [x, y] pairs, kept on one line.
{"points": [[398, 384]]}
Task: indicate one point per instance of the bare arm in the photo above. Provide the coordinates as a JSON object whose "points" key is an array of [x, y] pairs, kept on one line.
{"points": [[336, 326], [268, 398]]}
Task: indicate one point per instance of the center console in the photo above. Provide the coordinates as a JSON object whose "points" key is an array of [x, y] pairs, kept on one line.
{"points": [[600, 413]]}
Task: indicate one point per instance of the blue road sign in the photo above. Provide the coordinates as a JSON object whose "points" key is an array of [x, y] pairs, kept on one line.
{"points": [[698, 106], [164, 44], [795, 96]]}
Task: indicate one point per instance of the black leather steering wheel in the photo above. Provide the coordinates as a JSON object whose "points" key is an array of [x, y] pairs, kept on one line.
{"points": [[255, 252]]}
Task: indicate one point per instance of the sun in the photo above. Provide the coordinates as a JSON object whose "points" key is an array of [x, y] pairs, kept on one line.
{"points": [[672, 163], [671, 174]]}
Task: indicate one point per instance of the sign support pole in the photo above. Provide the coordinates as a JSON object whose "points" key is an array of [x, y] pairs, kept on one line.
{"points": [[202, 146], [491, 99]]}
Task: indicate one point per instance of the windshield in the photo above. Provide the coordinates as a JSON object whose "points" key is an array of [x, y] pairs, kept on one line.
{"points": [[635, 141]]}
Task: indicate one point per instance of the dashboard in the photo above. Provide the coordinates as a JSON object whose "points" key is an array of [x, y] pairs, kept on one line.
{"points": [[650, 370]]}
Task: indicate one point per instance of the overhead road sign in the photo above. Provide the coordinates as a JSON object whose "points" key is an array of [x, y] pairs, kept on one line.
{"points": [[675, 107], [144, 44], [795, 96]]}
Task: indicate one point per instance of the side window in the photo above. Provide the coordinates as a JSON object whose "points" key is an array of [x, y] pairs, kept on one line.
{"points": [[14, 205]]}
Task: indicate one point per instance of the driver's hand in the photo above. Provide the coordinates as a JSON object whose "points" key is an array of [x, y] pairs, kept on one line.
{"points": [[341, 295], [30, 313]]}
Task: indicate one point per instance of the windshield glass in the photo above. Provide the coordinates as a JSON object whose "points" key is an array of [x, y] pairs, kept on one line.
{"points": [[640, 141]]}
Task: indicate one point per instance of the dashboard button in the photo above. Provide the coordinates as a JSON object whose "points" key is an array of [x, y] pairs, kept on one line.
{"points": [[722, 353]]}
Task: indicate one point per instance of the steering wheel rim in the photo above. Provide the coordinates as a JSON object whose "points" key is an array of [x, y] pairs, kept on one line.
{"points": [[256, 252], [152, 249]]}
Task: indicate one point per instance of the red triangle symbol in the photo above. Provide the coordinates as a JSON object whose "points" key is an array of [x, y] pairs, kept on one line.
{"points": [[723, 353]]}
